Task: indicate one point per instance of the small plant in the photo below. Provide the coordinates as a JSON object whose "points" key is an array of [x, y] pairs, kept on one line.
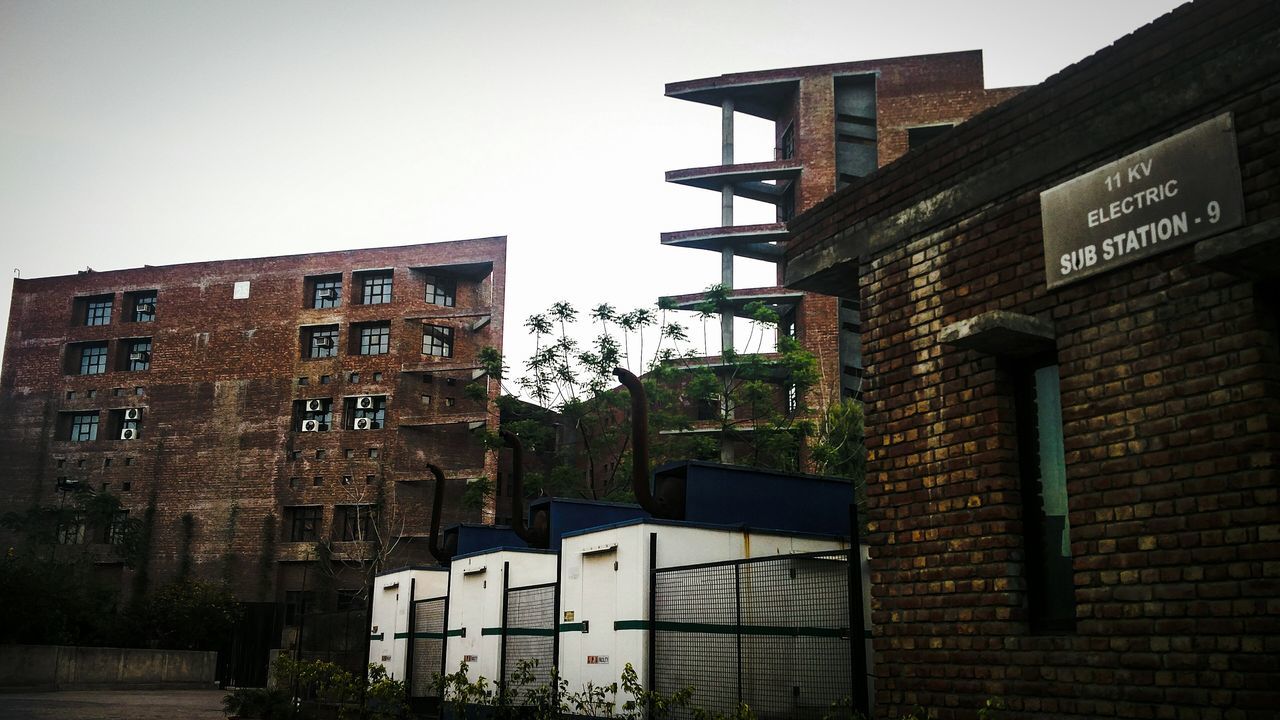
{"points": [[258, 703]]}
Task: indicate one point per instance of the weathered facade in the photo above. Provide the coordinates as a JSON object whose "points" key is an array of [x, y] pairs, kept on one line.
{"points": [[253, 411], [1073, 461], [833, 125]]}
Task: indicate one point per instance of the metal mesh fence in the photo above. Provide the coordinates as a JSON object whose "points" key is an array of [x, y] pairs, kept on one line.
{"points": [[341, 638], [531, 618], [428, 647], [772, 633]]}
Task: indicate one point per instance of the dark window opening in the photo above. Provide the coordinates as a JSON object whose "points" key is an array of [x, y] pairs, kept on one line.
{"points": [[1042, 466], [918, 136], [320, 341], [137, 354], [83, 427], [95, 310], [373, 339], [787, 143], [141, 306], [437, 340], [375, 287], [91, 359], [314, 415], [326, 291], [442, 290], [115, 533], [368, 412], [354, 523], [302, 523]]}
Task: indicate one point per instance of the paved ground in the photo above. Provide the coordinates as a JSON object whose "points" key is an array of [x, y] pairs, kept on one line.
{"points": [[113, 705]]}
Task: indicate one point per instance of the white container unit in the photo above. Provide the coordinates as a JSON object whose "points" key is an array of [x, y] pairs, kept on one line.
{"points": [[605, 594], [476, 600], [393, 595]]}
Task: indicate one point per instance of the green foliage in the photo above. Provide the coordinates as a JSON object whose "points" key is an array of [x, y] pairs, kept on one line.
{"points": [[840, 450], [476, 494], [375, 696], [760, 397], [258, 703], [185, 615]]}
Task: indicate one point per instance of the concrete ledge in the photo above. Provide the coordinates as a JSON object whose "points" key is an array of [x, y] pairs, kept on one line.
{"points": [[1252, 251], [56, 667], [1000, 332]]}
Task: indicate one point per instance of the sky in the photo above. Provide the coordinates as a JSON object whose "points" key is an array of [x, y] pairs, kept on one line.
{"points": [[155, 132]]}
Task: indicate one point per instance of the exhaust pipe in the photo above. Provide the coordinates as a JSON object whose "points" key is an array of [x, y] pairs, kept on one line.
{"points": [[535, 537], [639, 441], [442, 555]]}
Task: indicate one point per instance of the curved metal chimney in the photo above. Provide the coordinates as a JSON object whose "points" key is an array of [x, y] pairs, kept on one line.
{"points": [[535, 537], [639, 441], [441, 555]]}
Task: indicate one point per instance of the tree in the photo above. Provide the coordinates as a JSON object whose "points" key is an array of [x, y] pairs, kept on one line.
{"points": [[753, 401]]}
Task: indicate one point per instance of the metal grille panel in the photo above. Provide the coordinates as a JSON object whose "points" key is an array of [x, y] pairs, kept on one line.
{"points": [[428, 647], [773, 634], [531, 617]]}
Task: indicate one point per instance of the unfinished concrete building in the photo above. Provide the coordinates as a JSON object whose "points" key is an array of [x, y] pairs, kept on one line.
{"points": [[833, 124]]}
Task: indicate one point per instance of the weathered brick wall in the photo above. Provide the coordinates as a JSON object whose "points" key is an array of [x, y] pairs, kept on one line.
{"points": [[217, 433], [1170, 380]]}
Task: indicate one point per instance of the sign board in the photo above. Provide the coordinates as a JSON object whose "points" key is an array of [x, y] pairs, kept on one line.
{"points": [[1180, 190]]}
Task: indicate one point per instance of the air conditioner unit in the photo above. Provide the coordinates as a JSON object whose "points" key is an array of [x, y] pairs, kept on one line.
{"points": [[315, 406], [143, 356], [310, 426], [363, 424], [146, 308], [132, 413], [324, 342], [329, 294], [364, 403], [129, 434]]}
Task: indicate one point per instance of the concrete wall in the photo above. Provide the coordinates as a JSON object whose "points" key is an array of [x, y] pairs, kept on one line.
{"points": [[55, 666]]}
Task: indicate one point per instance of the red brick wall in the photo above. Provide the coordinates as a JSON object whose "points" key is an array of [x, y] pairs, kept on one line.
{"points": [[217, 436], [1170, 382]]}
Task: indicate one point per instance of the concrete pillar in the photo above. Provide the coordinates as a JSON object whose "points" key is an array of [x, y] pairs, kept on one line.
{"points": [[726, 216]]}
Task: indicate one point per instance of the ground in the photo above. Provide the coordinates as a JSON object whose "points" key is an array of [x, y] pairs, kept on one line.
{"points": [[112, 705]]}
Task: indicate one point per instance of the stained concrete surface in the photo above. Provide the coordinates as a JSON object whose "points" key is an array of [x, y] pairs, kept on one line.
{"points": [[112, 705]]}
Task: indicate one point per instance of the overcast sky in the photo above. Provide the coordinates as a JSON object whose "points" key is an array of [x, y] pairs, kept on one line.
{"points": [[163, 132]]}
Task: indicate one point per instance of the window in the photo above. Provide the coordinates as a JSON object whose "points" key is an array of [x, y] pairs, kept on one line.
{"points": [[139, 354], [115, 534], [141, 305], [1042, 466], [354, 522], [302, 523], [374, 338], [84, 426], [442, 290], [71, 530], [97, 310], [297, 602], [320, 341], [375, 287], [787, 143], [129, 422], [437, 340], [348, 599], [93, 359], [326, 291], [918, 136], [314, 415], [368, 412]]}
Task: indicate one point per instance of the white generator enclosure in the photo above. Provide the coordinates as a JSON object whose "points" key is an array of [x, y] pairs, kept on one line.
{"points": [[393, 595], [478, 587], [608, 607]]}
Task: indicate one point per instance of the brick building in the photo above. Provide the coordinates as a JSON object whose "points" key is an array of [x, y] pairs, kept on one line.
{"points": [[1073, 460], [832, 125], [253, 411]]}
